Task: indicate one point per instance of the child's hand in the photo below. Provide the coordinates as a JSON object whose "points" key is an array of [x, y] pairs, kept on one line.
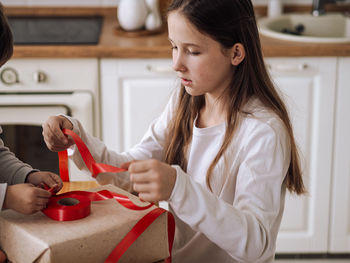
{"points": [[26, 198], [50, 179], [152, 179], [54, 138]]}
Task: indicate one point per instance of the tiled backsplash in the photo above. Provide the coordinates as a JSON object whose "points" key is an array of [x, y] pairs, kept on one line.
{"points": [[110, 2]]}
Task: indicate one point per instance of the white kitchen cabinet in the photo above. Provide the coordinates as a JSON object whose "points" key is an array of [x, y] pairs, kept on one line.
{"points": [[308, 86], [340, 203], [134, 92]]}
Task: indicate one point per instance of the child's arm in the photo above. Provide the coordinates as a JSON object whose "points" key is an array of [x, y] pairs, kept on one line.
{"points": [[12, 170]]}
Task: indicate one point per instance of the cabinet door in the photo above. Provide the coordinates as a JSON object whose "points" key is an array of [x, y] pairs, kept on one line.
{"points": [[340, 220], [134, 93], [308, 87]]}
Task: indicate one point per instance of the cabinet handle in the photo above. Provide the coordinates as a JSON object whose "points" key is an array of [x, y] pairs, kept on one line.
{"points": [[288, 67], [160, 69]]}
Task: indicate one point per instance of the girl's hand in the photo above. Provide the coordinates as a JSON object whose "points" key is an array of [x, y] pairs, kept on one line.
{"points": [[26, 198], [54, 138], [152, 179], [50, 179]]}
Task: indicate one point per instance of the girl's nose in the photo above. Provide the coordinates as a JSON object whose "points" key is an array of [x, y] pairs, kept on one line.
{"points": [[178, 64]]}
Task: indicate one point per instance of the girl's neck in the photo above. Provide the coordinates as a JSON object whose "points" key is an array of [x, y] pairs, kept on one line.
{"points": [[212, 113]]}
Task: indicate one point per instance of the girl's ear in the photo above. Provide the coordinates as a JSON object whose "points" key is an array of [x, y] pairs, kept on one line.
{"points": [[237, 54]]}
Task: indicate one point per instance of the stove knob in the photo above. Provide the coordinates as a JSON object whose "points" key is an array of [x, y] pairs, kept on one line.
{"points": [[40, 77], [9, 76]]}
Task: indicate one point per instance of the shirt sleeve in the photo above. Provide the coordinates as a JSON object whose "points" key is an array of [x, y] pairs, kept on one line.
{"points": [[12, 170], [247, 228]]}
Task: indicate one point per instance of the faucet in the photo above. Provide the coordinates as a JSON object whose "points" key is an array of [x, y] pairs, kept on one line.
{"points": [[318, 6]]}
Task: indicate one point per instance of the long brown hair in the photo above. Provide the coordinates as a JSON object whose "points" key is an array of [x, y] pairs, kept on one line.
{"points": [[229, 22], [6, 39]]}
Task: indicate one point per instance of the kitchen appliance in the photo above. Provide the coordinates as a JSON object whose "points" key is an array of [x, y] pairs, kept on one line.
{"points": [[55, 30], [33, 89]]}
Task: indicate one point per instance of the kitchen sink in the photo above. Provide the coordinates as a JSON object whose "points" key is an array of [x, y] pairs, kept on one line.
{"points": [[328, 28], [55, 30]]}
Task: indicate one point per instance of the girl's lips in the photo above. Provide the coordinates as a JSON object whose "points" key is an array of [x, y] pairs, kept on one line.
{"points": [[186, 82]]}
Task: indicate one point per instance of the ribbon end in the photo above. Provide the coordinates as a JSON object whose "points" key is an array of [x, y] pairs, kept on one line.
{"points": [[98, 168]]}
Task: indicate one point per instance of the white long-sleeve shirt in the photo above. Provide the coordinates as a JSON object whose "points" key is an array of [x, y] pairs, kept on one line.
{"points": [[239, 220]]}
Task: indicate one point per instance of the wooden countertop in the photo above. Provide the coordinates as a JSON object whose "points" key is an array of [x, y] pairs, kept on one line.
{"points": [[113, 44]]}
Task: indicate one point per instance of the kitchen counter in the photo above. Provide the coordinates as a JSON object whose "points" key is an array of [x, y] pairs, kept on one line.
{"points": [[114, 44]]}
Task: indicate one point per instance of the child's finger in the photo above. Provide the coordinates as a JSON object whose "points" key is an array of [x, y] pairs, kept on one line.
{"points": [[57, 180], [51, 190], [139, 178], [146, 197], [141, 187], [56, 131], [50, 181], [39, 207], [51, 135], [140, 166], [43, 194], [126, 165]]}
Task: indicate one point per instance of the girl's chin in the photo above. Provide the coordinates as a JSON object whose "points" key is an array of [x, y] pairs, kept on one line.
{"points": [[189, 90], [192, 91]]}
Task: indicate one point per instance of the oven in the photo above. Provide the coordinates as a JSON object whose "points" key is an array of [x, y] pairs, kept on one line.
{"points": [[33, 89]]}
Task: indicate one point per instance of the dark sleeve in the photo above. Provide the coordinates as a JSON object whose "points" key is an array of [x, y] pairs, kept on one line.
{"points": [[12, 170]]}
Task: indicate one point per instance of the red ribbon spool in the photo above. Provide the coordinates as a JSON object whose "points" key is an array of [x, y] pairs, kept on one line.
{"points": [[68, 207]]}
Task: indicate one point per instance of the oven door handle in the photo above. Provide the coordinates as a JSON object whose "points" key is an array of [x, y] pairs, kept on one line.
{"points": [[36, 108]]}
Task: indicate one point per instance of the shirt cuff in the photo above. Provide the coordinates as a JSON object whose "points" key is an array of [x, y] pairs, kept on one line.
{"points": [[3, 189], [179, 187]]}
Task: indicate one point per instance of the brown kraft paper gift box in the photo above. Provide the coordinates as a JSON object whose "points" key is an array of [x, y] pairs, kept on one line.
{"points": [[38, 238]]}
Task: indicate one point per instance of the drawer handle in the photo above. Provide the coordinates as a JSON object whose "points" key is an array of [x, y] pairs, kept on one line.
{"points": [[288, 67], [160, 69]]}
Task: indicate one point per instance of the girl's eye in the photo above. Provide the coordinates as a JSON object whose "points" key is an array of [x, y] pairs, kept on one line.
{"points": [[193, 53]]}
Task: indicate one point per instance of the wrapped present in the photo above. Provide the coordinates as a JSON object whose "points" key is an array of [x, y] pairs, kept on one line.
{"points": [[38, 238]]}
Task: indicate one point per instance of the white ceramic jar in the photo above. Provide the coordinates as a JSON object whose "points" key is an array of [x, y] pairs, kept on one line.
{"points": [[153, 20], [132, 14]]}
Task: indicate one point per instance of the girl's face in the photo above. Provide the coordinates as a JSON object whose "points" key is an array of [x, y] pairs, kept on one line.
{"points": [[201, 63]]}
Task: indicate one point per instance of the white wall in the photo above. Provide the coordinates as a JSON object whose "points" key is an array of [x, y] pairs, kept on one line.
{"points": [[109, 2]]}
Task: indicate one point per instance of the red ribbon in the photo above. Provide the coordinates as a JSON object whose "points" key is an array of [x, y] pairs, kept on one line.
{"points": [[63, 212], [95, 168]]}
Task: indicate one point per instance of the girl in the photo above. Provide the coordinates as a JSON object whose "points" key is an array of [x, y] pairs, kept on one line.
{"points": [[222, 153]]}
